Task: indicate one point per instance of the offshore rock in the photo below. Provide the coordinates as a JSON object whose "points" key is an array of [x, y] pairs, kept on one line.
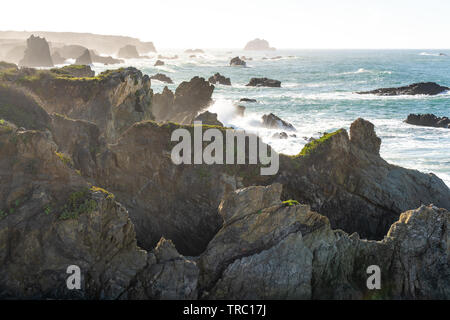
{"points": [[37, 53]]}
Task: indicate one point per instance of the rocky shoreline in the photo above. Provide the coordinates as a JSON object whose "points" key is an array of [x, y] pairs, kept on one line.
{"points": [[88, 181]]}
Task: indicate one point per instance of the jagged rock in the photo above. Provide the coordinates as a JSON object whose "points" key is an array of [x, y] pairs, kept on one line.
{"points": [[56, 221], [84, 59], [280, 135], [168, 276], [209, 118], [182, 107], [267, 249], [161, 77], [37, 53], [248, 100], [159, 63], [128, 52], [428, 120], [258, 44], [264, 82], [271, 121], [425, 88], [346, 180], [220, 79], [236, 61], [77, 71], [194, 51], [57, 59], [113, 100]]}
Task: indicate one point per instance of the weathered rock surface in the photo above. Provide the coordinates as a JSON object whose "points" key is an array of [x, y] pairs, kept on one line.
{"points": [[259, 45], [237, 62], [220, 79], [162, 77], [272, 250], [425, 88], [190, 98], [84, 59], [113, 100], [271, 121], [37, 53], [345, 179], [168, 276], [128, 52], [428, 120], [264, 82], [208, 118]]}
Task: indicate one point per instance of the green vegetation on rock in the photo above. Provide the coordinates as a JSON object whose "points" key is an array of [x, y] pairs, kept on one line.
{"points": [[290, 203], [318, 145], [79, 202]]}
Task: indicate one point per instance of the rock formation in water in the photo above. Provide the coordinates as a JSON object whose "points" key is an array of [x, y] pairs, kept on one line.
{"points": [[425, 88], [75, 51], [128, 52], [209, 118], [189, 99], [237, 62], [248, 100], [264, 82], [37, 53], [271, 121], [258, 45], [428, 120], [220, 79], [159, 63], [84, 59], [345, 179], [57, 59], [161, 77]]}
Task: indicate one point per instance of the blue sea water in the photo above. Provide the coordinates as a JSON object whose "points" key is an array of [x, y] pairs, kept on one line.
{"points": [[317, 95]]}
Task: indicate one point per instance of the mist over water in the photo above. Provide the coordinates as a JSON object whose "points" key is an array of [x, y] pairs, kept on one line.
{"points": [[317, 95]]}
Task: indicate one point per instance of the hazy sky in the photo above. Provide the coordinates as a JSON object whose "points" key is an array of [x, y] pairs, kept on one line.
{"points": [[231, 23]]}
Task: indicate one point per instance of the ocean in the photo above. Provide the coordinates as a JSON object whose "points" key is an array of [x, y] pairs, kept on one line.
{"points": [[317, 96]]}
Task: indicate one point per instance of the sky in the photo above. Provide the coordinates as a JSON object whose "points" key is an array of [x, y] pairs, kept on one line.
{"points": [[314, 24]]}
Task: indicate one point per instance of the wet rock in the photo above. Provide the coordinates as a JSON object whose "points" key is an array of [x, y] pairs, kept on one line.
{"points": [[37, 53], [220, 79], [248, 100], [161, 77], [264, 82], [236, 61], [428, 120], [425, 88], [159, 63], [271, 121]]}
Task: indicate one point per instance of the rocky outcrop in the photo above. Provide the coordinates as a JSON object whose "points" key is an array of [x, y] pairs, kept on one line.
{"points": [[161, 77], [77, 71], [428, 120], [425, 88], [271, 121], [237, 62], [268, 249], [209, 118], [128, 52], [259, 45], [264, 82], [248, 100], [159, 63], [113, 100], [168, 276], [220, 79], [345, 179], [75, 51], [190, 98], [37, 53], [84, 59]]}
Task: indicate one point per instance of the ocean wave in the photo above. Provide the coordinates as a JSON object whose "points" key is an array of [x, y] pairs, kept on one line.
{"points": [[362, 70], [432, 54]]}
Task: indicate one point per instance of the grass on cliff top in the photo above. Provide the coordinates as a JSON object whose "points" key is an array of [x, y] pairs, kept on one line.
{"points": [[318, 145], [7, 65]]}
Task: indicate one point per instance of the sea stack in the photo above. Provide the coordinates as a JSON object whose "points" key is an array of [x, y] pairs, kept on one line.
{"points": [[37, 53], [259, 45], [128, 52], [84, 59]]}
